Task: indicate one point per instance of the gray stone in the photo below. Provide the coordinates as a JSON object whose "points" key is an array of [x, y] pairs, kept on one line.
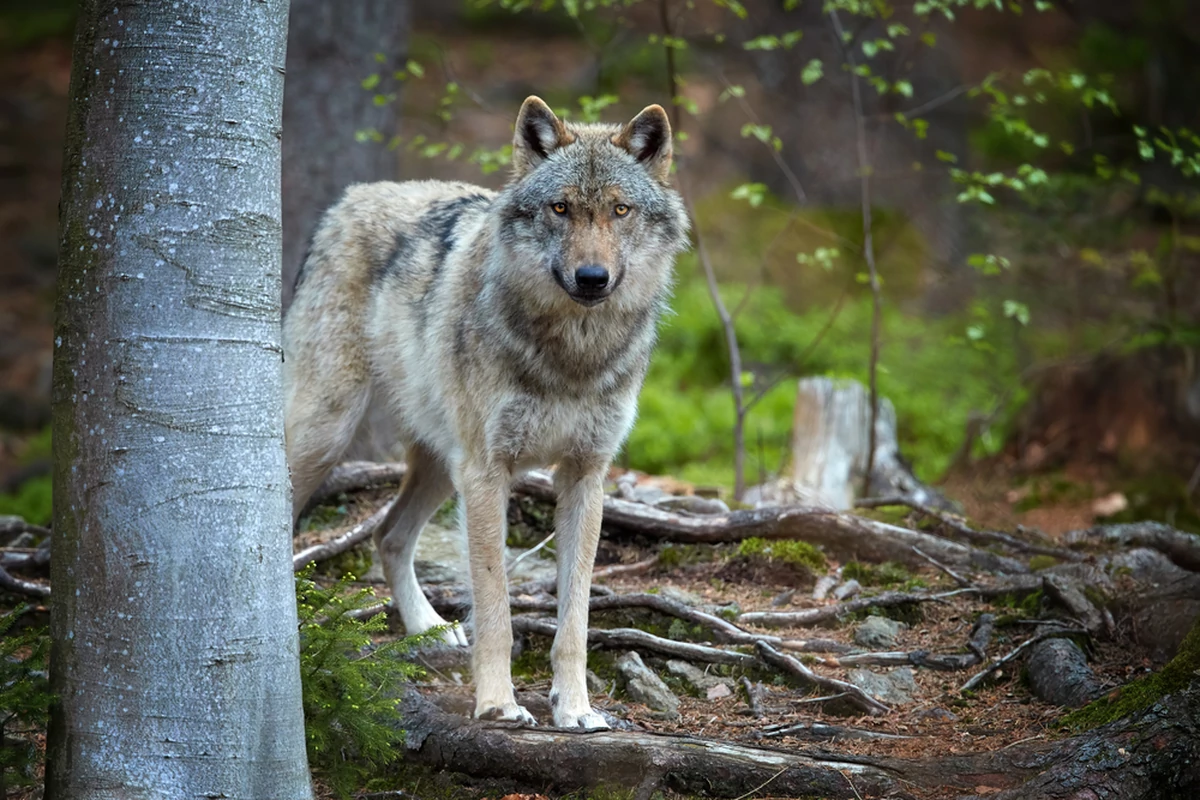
{"points": [[883, 688], [693, 504], [878, 633], [847, 589], [643, 686], [696, 677], [680, 595], [595, 684]]}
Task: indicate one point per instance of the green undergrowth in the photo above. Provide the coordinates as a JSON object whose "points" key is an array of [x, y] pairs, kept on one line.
{"points": [[24, 698], [1142, 693], [31, 500], [930, 373], [350, 684], [889, 574]]}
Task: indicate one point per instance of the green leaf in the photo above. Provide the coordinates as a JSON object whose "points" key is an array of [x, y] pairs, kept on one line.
{"points": [[752, 193], [1017, 311], [903, 87], [414, 68], [371, 81], [811, 72]]}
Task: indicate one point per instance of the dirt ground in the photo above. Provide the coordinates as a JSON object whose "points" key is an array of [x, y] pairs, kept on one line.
{"points": [[940, 720]]}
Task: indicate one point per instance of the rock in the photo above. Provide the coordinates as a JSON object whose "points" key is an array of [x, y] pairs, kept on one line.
{"points": [[878, 633], [718, 692], [695, 677], [693, 504], [643, 686], [680, 595], [847, 589], [595, 684], [824, 586], [884, 688]]}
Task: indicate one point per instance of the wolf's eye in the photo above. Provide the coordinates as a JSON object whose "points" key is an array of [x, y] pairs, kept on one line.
{"points": [[620, 209], [560, 208]]}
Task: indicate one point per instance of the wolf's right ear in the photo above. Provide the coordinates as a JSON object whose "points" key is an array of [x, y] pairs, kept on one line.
{"points": [[539, 133]]}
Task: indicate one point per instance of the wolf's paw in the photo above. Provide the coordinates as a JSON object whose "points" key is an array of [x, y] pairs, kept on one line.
{"points": [[508, 712], [589, 721], [455, 636]]}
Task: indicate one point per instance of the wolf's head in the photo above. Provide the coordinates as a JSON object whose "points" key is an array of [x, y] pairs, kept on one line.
{"points": [[588, 214]]}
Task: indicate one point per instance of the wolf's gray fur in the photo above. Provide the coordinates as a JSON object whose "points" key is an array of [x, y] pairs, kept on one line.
{"points": [[506, 331]]}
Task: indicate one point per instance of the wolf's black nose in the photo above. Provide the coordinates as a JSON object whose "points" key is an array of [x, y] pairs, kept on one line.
{"points": [[591, 278]]}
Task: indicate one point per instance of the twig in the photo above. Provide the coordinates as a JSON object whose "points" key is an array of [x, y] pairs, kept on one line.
{"points": [[752, 698], [819, 730], [355, 476], [512, 567], [15, 526], [19, 586], [979, 677], [338, 545], [790, 665], [632, 638], [959, 579], [762, 785], [814, 616]]}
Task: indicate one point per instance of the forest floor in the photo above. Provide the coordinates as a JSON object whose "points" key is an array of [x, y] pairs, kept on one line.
{"points": [[935, 720]]}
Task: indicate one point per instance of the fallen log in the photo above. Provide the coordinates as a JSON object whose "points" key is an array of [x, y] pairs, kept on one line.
{"points": [[837, 532], [639, 761], [1182, 548], [1059, 674], [1150, 755]]}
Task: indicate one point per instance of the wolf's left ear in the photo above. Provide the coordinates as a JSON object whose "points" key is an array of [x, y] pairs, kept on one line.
{"points": [[647, 137], [539, 133]]}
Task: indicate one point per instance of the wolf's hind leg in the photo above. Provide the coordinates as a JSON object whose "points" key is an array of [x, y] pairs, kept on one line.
{"points": [[426, 486], [320, 420]]}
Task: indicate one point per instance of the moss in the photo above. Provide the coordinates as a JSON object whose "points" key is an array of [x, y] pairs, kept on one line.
{"points": [[1040, 562], [529, 521], [889, 573], [788, 551], [674, 556], [533, 663], [1143, 692]]}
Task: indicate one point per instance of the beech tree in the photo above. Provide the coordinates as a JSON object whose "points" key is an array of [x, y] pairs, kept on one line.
{"points": [[174, 622]]}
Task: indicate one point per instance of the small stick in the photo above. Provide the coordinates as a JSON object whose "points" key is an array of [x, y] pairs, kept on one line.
{"points": [[959, 579], [29, 588], [340, 544], [752, 698], [853, 693], [979, 677], [814, 616]]}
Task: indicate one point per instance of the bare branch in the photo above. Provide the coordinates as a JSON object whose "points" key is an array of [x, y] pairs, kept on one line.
{"points": [[340, 544]]}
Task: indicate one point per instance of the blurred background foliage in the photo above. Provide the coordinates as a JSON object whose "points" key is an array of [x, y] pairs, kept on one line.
{"points": [[1033, 183]]}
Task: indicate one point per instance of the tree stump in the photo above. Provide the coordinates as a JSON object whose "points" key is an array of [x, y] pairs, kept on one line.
{"points": [[830, 441]]}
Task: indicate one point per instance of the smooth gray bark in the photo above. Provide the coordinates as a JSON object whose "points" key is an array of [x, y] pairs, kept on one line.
{"points": [[174, 619], [331, 49]]}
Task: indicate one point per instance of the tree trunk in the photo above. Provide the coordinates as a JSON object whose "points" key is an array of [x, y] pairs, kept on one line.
{"points": [[331, 50], [174, 621]]}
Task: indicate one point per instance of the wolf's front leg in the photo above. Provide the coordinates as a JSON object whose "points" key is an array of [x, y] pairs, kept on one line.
{"points": [[484, 493], [577, 524]]}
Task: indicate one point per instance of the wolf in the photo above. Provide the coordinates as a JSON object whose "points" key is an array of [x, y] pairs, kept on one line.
{"points": [[504, 331]]}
